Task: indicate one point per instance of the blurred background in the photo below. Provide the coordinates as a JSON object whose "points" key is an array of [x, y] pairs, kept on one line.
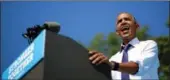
{"points": [[92, 24]]}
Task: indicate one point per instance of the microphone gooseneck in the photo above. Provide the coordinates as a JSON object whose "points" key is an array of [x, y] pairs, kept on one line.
{"points": [[34, 31]]}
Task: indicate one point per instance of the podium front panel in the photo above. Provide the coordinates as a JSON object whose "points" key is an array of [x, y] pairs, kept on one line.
{"points": [[54, 56], [65, 59]]}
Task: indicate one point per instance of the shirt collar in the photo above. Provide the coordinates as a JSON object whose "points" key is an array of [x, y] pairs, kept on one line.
{"points": [[133, 42]]}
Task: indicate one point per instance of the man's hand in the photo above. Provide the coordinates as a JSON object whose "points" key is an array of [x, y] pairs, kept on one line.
{"points": [[98, 58]]}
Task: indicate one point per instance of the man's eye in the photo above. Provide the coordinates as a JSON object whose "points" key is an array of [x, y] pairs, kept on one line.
{"points": [[127, 19], [119, 21]]}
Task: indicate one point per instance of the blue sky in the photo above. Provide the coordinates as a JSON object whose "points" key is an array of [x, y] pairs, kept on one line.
{"points": [[79, 20]]}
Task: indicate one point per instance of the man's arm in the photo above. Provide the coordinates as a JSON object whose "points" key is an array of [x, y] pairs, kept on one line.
{"points": [[129, 67], [132, 67], [149, 58], [98, 58]]}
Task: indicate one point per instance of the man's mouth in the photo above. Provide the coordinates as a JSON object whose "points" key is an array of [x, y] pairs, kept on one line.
{"points": [[125, 29]]}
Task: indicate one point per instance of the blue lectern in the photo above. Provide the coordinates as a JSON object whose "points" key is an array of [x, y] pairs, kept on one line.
{"points": [[53, 56]]}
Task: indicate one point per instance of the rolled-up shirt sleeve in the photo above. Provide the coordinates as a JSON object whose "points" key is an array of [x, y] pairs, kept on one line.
{"points": [[148, 59]]}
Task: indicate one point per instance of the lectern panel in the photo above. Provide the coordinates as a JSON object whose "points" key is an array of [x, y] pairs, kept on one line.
{"points": [[68, 60], [55, 57]]}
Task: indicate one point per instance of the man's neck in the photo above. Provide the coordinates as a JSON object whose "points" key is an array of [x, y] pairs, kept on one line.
{"points": [[126, 41]]}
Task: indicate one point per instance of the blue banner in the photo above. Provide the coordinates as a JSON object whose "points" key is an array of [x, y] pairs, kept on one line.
{"points": [[27, 60]]}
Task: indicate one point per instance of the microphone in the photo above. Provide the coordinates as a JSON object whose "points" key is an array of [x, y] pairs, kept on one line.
{"points": [[34, 31], [52, 26]]}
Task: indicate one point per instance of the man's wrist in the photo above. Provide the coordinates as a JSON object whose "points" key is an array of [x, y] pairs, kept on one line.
{"points": [[114, 65]]}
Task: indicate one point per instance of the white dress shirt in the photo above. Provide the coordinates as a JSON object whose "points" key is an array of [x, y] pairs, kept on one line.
{"points": [[145, 54]]}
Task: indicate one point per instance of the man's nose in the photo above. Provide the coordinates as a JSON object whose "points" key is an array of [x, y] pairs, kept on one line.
{"points": [[123, 22]]}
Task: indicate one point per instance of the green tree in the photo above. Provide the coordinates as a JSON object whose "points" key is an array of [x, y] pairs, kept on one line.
{"points": [[164, 53], [113, 43], [99, 43], [142, 33]]}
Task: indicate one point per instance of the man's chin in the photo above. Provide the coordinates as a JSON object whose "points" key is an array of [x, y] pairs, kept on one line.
{"points": [[125, 37]]}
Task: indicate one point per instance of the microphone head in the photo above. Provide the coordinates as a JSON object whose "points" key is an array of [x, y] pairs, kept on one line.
{"points": [[52, 26]]}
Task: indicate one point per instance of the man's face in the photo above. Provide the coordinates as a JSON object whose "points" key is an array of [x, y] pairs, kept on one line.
{"points": [[126, 26]]}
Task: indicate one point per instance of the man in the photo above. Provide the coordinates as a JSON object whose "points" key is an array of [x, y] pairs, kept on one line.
{"points": [[136, 59]]}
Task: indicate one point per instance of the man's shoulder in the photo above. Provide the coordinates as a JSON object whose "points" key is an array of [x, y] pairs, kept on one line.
{"points": [[148, 44]]}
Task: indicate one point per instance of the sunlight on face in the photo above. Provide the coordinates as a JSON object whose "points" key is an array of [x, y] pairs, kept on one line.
{"points": [[126, 26]]}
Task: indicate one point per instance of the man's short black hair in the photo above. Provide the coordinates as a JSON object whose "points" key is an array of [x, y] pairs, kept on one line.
{"points": [[130, 15]]}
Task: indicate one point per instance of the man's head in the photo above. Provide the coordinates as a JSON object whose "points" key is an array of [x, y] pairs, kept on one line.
{"points": [[126, 26]]}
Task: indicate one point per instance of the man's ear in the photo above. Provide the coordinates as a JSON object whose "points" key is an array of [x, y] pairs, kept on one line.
{"points": [[137, 25]]}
